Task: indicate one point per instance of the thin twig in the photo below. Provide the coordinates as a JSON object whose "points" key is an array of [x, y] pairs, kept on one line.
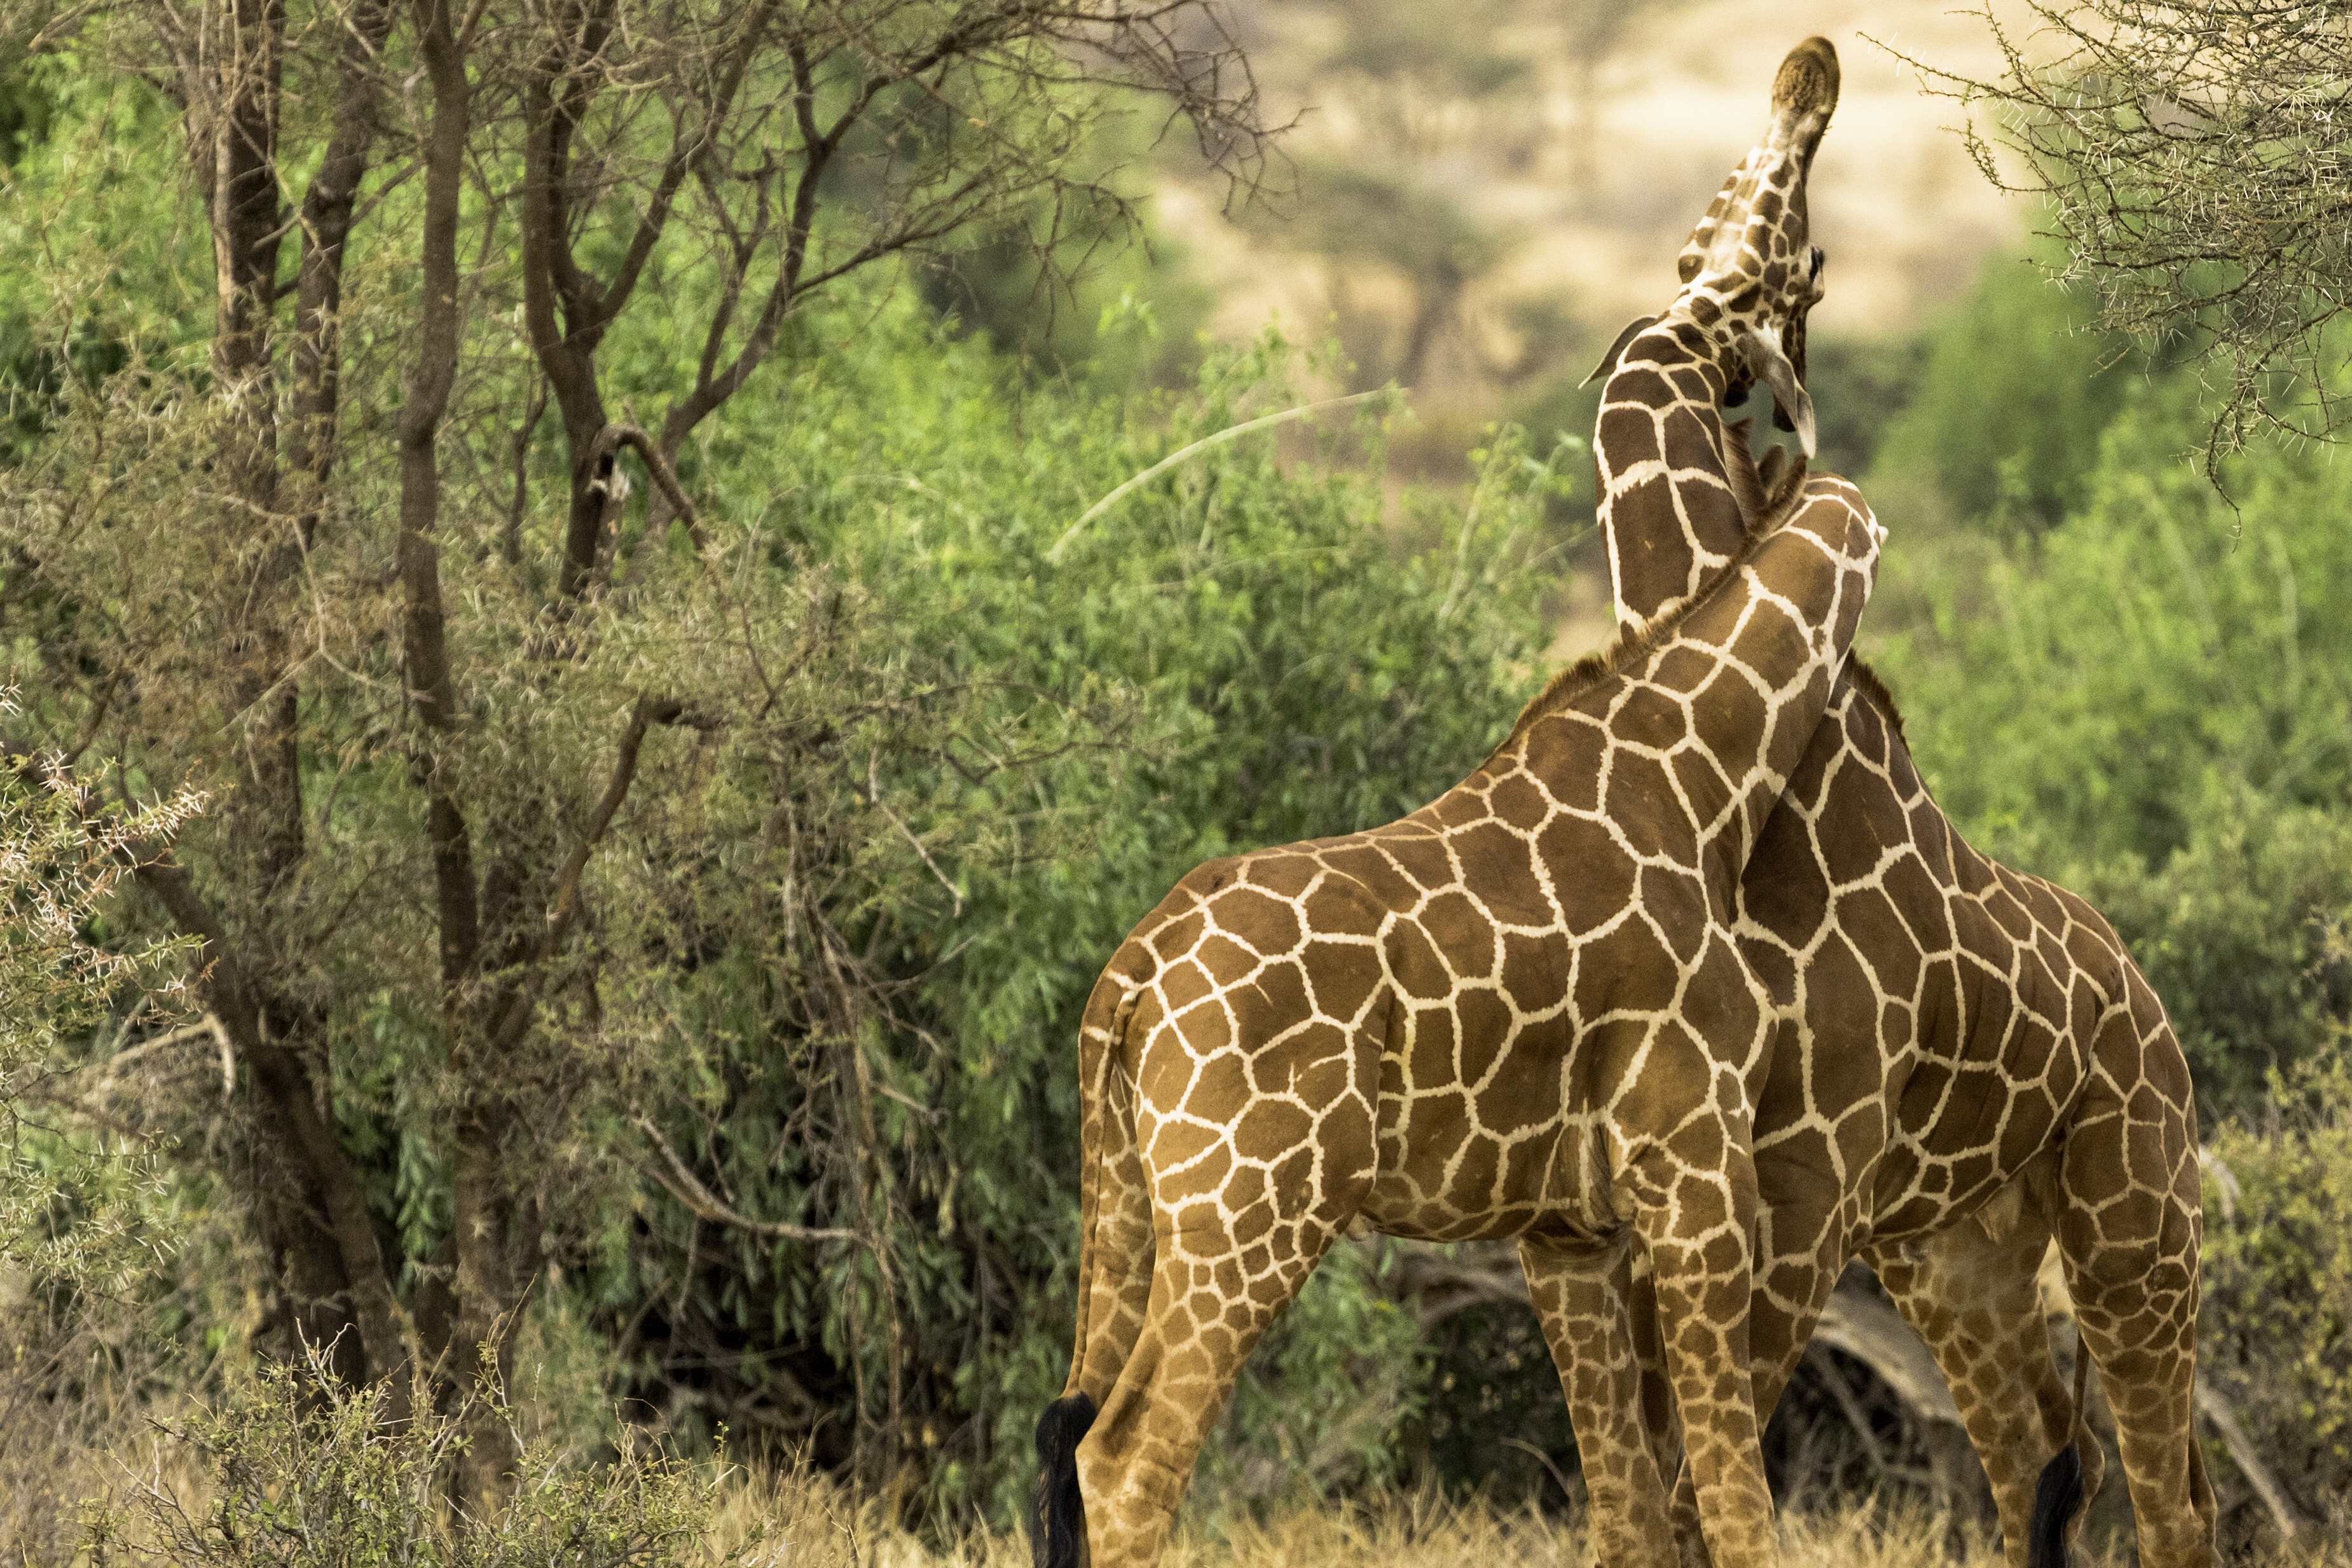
{"points": [[873, 795], [687, 1189], [1230, 432]]}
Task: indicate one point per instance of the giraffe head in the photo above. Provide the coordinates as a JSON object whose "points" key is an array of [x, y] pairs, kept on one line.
{"points": [[1750, 272]]}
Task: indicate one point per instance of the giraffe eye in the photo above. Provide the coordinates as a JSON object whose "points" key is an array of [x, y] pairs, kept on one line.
{"points": [[1818, 262]]}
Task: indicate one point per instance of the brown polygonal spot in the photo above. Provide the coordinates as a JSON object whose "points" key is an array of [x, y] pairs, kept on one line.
{"points": [[1703, 783], [1565, 751], [1677, 904], [1592, 876], [1460, 806], [1244, 1188], [1626, 432], [1473, 1185], [1415, 961], [1535, 970], [1176, 938], [1682, 669], [1205, 1174], [1225, 960], [1268, 1128], [1432, 1060], [1773, 646], [1485, 1022], [1862, 819], [1639, 800], [1868, 918], [1626, 969], [1367, 862], [1519, 802], [1259, 920], [1462, 930], [1921, 902], [1658, 559], [1281, 870], [1728, 717], [1641, 386], [1420, 857], [1177, 1144], [1719, 1002], [1291, 1181], [1344, 975], [1274, 1000], [1216, 1090]]}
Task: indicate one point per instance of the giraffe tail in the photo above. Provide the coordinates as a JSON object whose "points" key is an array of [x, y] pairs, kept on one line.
{"points": [[2058, 1495], [1058, 1526], [1114, 1270]]}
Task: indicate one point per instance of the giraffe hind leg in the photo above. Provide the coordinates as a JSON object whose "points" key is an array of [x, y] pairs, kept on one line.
{"points": [[1213, 1296], [2131, 1265], [1114, 1245], [1236, 1225], [1974, 1298]]}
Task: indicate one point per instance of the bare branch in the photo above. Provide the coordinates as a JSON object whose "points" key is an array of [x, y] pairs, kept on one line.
{"points": [[681, 1183]]}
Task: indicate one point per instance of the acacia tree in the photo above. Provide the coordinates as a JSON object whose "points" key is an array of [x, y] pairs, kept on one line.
{"points": [[2196, 161], [294, 573]]}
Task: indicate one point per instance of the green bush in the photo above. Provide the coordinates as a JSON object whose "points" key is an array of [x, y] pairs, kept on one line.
{"points": [[2276, 1322], [1270, 665], [2004, 419], [299, 1470]]}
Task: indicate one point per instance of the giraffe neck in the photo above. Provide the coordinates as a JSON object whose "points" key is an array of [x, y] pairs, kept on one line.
{"points": [[1670, 497], [1717, 700]]}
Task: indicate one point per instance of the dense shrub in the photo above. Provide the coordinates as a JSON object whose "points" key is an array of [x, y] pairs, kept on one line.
{"points": [[2276, 1322], [1283, 672], [297, 1471]]}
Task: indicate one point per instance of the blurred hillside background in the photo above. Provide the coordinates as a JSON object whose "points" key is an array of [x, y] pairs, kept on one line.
{"points": [[810, 772]]}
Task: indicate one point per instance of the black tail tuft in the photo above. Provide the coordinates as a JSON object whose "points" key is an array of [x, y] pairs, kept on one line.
{"points": [[2056, 1497], [1058, 1524]]}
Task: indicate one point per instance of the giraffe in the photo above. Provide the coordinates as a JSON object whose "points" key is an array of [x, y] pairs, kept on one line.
{"points": [[1514, 1013], [1966, 1059]]}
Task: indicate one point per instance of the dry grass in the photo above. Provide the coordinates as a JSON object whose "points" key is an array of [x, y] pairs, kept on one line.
{"points": [[811, 1523]]}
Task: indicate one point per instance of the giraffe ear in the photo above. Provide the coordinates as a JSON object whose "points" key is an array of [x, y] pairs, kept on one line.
{"points": [[1633, 328], [1772, 367]]}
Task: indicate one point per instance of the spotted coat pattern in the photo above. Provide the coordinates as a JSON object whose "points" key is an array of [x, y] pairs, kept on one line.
{"points": [[1966, 1058], [1517, 1012]]}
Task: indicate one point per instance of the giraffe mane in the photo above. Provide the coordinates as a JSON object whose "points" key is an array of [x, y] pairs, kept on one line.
{"points": [[1879, 695]]}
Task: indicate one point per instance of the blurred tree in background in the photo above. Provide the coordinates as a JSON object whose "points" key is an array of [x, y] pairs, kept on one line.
{"points": [[2193, 163]]}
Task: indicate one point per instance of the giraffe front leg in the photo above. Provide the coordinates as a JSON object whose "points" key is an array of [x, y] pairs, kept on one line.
{"points": [[1973, 1298], [1693, 1206], [1800, 1255], [2128, 1232], [1586, 1297]]}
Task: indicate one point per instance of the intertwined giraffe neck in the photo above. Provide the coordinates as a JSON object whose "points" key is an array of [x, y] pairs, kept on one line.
{"points": [[1949, 1030]]}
